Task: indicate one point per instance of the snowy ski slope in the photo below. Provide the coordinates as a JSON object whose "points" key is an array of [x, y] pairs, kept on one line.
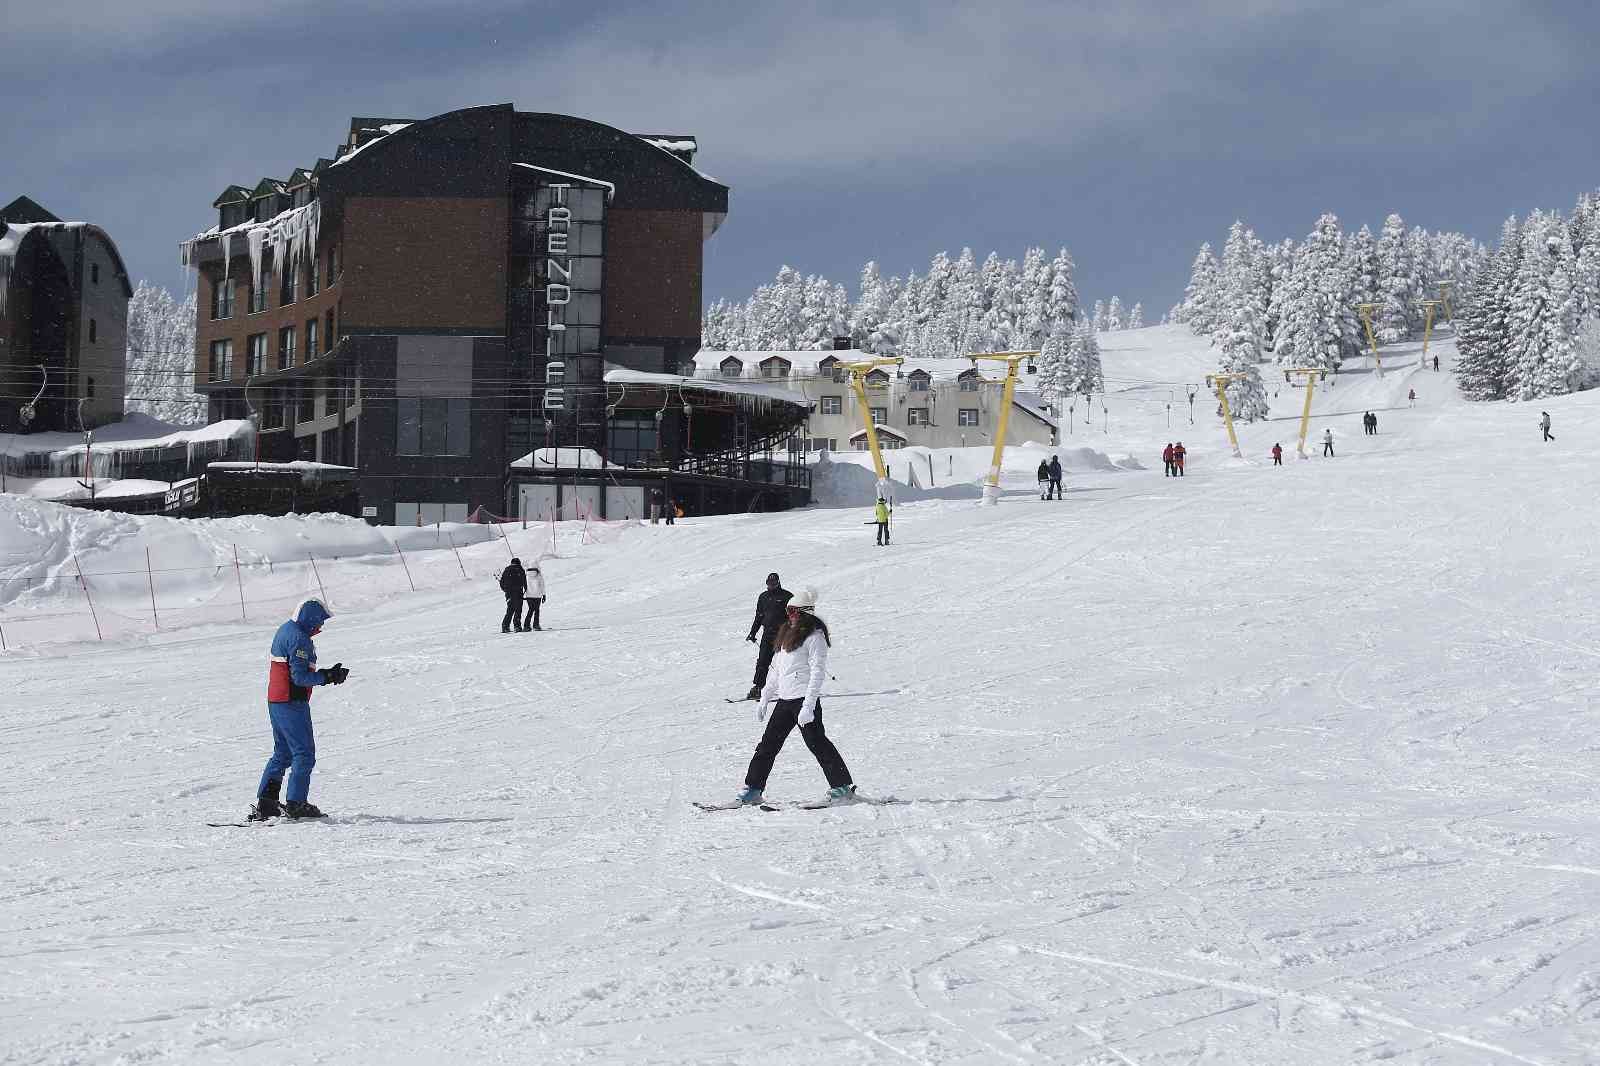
{"points": [[1261, 766]]}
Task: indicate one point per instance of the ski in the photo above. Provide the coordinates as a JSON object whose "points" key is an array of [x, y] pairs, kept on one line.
{"points": [[744, 699], [822, 805], [709, 807]]}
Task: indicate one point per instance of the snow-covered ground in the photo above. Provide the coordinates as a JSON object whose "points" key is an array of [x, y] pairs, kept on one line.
{"points": [[1264, 765]]}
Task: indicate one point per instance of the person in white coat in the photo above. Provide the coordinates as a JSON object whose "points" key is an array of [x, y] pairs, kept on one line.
{"points": [[533, 596], [793, 693], [1327, 444]]}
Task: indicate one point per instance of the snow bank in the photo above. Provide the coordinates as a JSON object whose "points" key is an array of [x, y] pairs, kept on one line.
{"points": [[847, 479]]}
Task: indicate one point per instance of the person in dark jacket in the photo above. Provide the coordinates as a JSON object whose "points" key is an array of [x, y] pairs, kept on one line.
{"points": [[770, 614], [1043, 478], [514, 583], [1277, 455], [290, 678], [1166, 461], [1055, 477]]}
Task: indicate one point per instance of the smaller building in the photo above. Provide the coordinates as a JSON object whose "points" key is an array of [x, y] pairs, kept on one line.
{"points": [[64, 296], [934, 403]]}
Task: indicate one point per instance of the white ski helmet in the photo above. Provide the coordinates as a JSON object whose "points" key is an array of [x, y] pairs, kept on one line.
{"points": [[804, 600]]}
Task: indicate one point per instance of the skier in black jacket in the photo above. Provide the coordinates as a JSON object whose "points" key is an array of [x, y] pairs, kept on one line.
{"points": [[514, 583], [771, 611]]}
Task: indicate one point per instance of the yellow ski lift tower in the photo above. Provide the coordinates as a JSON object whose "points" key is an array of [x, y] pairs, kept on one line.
{"points": [[1444, 298], [991, 486], [1220, 383], [858, 384], [1366, 319], [1427, 327], [1312, 374]]}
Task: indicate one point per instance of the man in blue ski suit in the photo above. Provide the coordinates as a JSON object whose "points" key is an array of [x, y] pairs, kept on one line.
{"points": [[290, 680]]}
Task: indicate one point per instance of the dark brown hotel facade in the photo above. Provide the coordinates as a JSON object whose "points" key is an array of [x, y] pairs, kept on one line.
{"points": [[446, 296]]}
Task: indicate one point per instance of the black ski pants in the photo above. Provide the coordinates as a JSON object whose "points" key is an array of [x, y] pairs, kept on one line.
{"points": [[513, 612], [1547, 435], [1055, 488], [1327, 450], [785, 714], [532, 620], [883, 532], [764, 657]]}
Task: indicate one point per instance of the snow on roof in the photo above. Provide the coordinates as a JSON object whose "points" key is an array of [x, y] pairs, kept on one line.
{"points": [[882, 431], [309, 471], [564, 459], [768, 390], [673, 144], [11, 243], [386, 129], [611, 190], [709, 363], [134, 432], [291, 234]]}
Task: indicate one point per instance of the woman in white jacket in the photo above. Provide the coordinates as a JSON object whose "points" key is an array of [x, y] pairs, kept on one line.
{"points": [[794, 693]]}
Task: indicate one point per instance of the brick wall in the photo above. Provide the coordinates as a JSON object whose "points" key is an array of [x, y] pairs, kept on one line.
{"points": [[652, 280], [428, 263]]}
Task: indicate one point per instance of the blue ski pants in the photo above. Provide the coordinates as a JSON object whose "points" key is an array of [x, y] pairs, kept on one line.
{"points": [[294, 748]]}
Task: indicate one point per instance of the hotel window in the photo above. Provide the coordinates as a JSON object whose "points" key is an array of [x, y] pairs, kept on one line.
{"points": [[308, 402], [222, 299], [578, 248], [313, 273], [919, 381], [311, 339], [967, 416], [333, 264], [221, 360], [833, 405], [288, 282], [775, 368], [632, 438], [731, 367], [94, 273], [889, 444], [94, 330], [90, 388], [880, 415], [431, 425], [877, 380], [969, 381], [327, 333], [830, 367], [916, 416], [258, 298], [286, 348], [255, 356]]}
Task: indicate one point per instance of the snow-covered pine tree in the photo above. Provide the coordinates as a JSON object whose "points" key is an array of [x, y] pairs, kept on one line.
{"points": [[1483, 340], [1053, 381], [1033, 302], [1317, 327], [1399, 286], [1083, 374], [1362, 261], [1136, 317], [1114, 315], [1546, 313], [1197, 310], [1239, 352], [160, 357], [1062, 301], [1097, 320], [871, 306]]}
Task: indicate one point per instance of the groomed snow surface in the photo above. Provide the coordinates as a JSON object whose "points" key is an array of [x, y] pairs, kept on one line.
{"points": [[1262, 765]]}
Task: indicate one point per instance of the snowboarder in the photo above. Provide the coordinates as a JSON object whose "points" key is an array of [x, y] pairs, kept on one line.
{"points": [[290, 679], [514, 584], [1412, 396], [1166, 460], [1327, 443], [1277, 455], [1544, 424], [794, 693], [769, 619], [1055, 477], [1043, 477], [880, 515], [1178, 452], [533, 597]]}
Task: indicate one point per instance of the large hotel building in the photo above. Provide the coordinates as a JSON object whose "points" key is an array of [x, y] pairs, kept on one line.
{"points": [[468, 309]]}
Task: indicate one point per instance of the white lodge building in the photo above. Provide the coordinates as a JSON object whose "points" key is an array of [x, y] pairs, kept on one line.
{"points": [[936, 403]]}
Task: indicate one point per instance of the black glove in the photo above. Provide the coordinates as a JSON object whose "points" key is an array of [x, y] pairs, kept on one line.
{"points": [[335, 674]]}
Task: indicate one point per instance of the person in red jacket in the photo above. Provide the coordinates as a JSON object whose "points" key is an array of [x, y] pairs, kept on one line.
{"points": [[1277, 455], [1166, 460], [1178, 452]]}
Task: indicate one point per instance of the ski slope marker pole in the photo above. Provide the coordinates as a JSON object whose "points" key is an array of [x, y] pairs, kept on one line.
{"points": [[239, 577], [85, 583], [320, 590], [459, 563], [149, 572], [397, 551], [3, 638], [505, 538]]}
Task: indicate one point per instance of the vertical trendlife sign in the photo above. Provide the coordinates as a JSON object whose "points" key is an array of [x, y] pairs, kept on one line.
{"points": [[557, 271]]}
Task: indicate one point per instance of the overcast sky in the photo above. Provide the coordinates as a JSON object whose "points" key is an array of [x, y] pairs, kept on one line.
{"points": [[1128, 132]]}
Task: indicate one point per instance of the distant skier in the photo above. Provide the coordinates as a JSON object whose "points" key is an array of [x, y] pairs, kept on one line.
{"points": [[769, 618], [1436, 363], [1178, 453], [1166, 460], [1055, 477], [1043, 478], [880, 515], [1277, 455], [1412, 396], [794, 693], [290, 679], [1327, 443], [533, 597], [1544, 425], [514, 584], [656, 502]]}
